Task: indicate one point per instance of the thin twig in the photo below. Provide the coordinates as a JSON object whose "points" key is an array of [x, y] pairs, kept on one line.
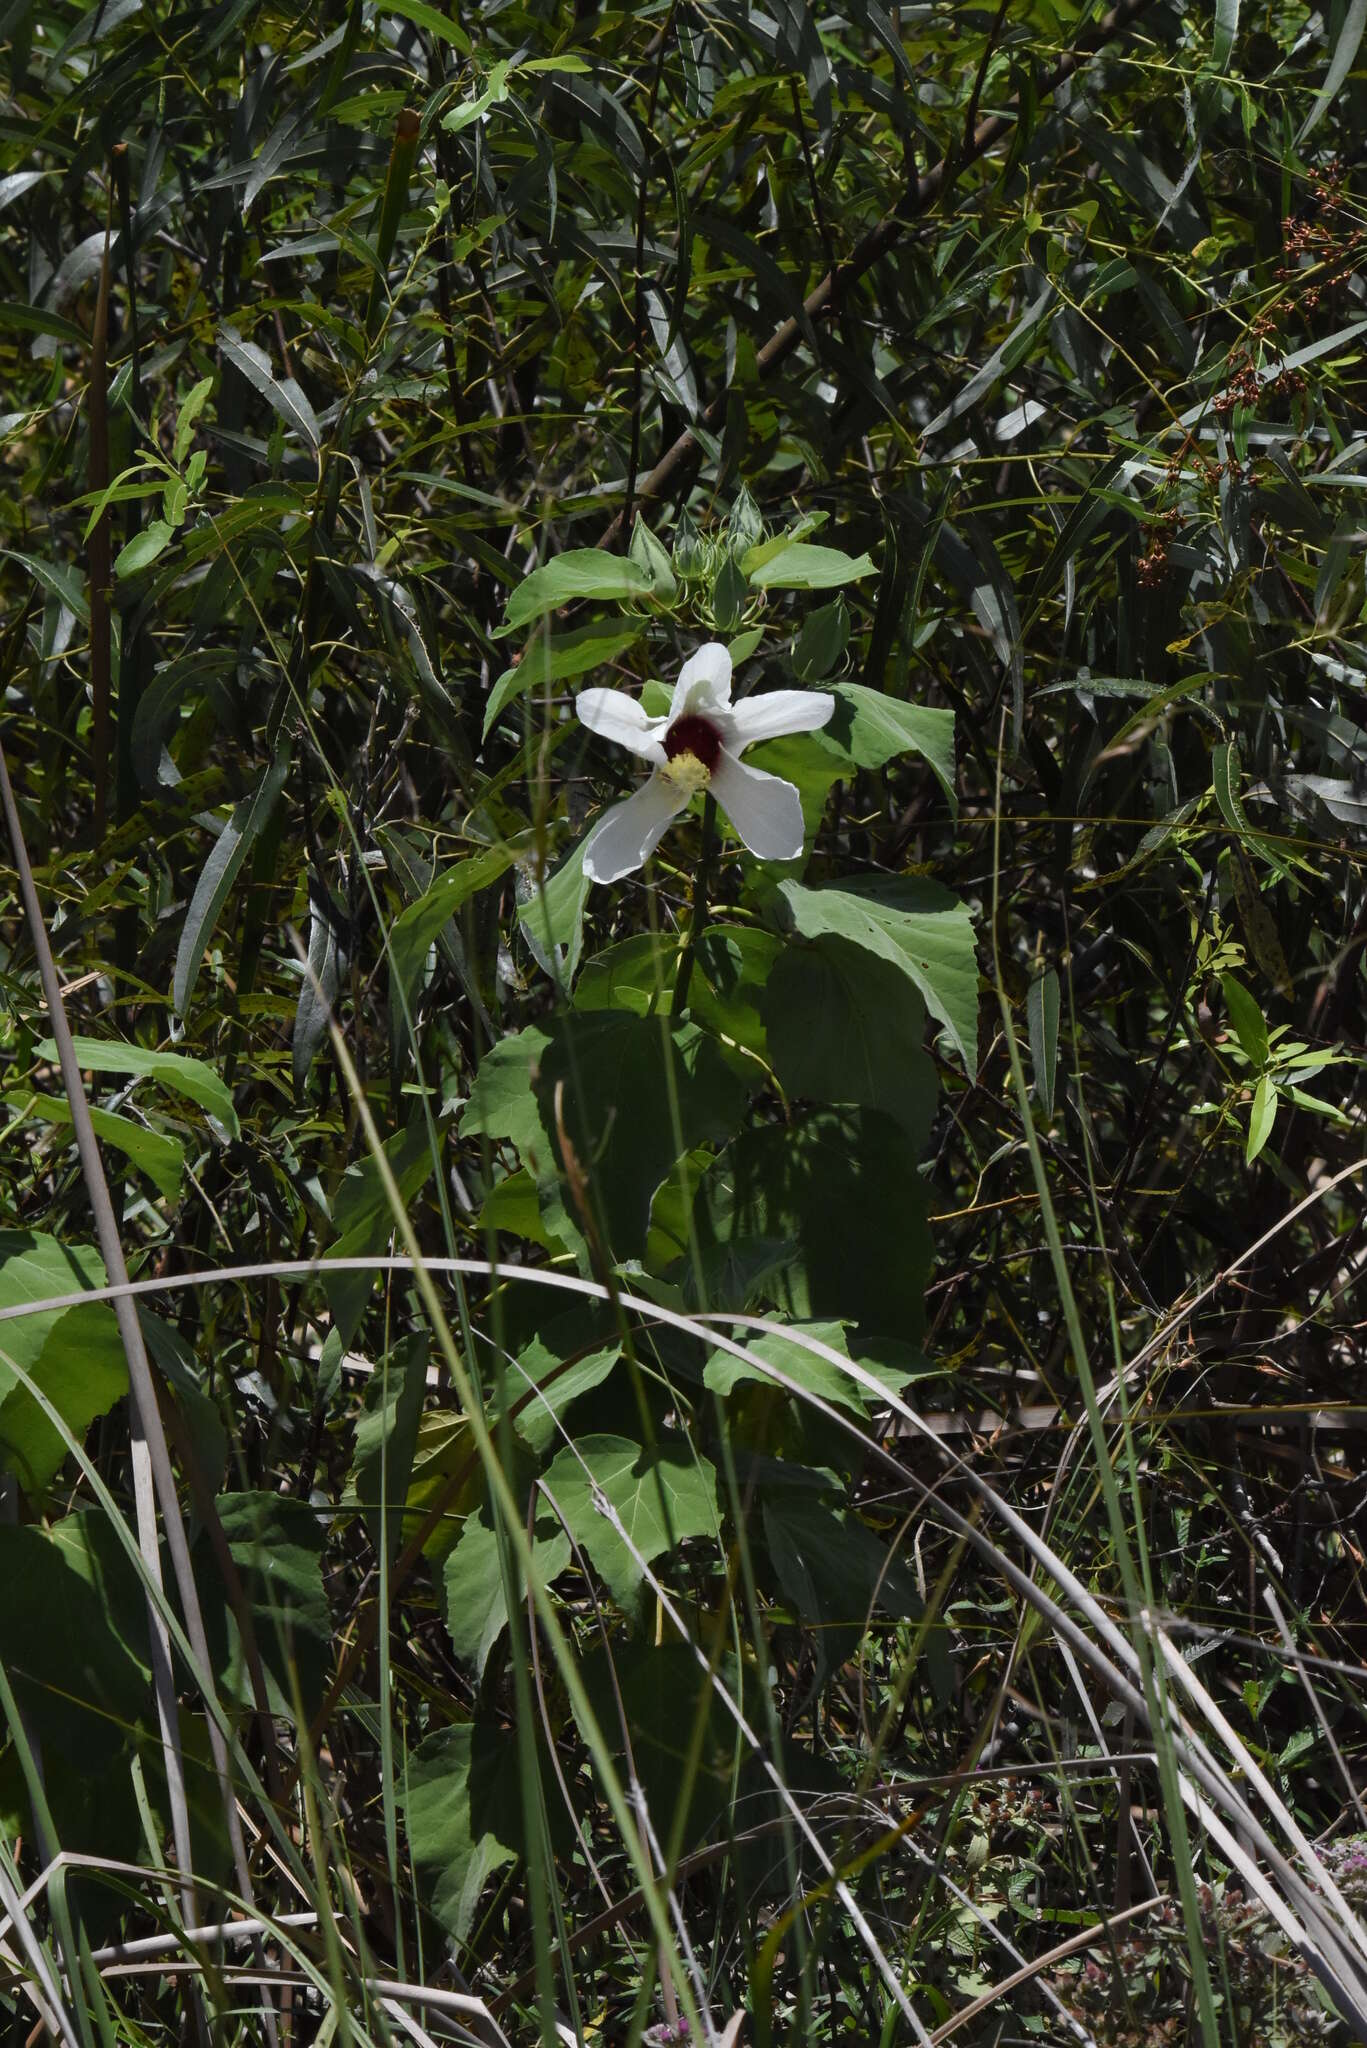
{"points": [[639, 318], [679, 460], [1270, 1600], [1088, 1937]]}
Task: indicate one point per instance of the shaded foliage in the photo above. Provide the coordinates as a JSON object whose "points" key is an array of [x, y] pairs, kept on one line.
{"points": [[378, 380]]}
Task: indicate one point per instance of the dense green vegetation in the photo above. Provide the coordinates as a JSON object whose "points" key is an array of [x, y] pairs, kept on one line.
{"points": [[820, 1495]]}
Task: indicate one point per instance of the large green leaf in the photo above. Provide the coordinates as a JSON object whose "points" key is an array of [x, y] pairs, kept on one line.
{"points": [[582, 572], [82, 1370], [472, 1579], [872, 729], [829, 1213], [387, 1436], [803, 566], [277, 1546], [843, 1026], [732, 965], [610, 1081], [544, 1387], [34, 1267], [660, 1690], [805, 1369], [658, 1499], [835, 1573], [914, 924], [637, 975], [73, 1625], [622, 1078], [74, 1355], [462, 1806], [502, 1104]]}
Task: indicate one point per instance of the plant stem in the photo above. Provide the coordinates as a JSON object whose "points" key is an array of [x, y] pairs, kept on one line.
{"points": [[698, 922]]}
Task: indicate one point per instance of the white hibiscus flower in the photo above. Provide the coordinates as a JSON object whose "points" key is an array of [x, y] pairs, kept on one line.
{"points": [[697, 745]]}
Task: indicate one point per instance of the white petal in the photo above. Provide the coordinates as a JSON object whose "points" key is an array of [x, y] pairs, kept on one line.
{"points": [[704, 682], [623, 720], [765, 810], [625, 837], [778, 712]]}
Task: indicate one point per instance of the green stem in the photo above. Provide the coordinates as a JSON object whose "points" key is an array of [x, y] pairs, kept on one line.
{"points": [[698, 922]]}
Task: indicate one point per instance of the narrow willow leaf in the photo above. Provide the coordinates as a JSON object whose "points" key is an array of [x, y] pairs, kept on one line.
{"points": [[433, 20], [494, 93], [559, 657], [143, 549], [551, 915], [57, 579], [18, 183], [1226, 777], [1341, 63], [327, 963], [1257, 921], [283, 395], [218, 875], [179, 1071], [34, 320], [417, 928], [1042, 1007], [387, 1437], [185, 419], [1249, 1026], [1001, 361], [159, 1156], [1261, 1118]]}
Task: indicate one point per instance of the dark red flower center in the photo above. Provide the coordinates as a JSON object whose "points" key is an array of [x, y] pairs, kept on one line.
{"points": [[697, 736]]}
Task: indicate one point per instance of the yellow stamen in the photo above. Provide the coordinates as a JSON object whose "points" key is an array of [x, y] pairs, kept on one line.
{"points": [[686, 773]]}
